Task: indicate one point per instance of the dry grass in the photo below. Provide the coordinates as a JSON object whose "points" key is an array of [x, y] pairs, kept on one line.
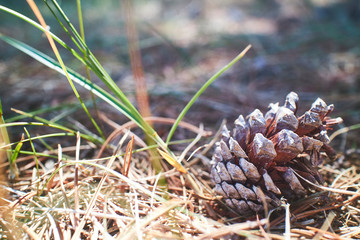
{"points": [[114, 198]]}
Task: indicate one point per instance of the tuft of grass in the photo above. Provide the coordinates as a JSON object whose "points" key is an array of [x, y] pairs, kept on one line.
{"points": [[121, 102]]}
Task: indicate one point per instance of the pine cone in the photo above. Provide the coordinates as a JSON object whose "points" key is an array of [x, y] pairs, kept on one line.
{"points": [[259, 161]]}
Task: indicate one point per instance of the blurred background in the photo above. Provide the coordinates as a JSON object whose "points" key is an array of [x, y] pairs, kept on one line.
{"points": [[307, 46]]}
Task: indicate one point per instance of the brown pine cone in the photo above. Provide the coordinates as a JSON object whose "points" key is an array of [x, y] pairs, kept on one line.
{"points": [[256, 164]]}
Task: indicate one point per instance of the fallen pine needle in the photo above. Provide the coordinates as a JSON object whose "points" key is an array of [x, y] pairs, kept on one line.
{"points": [[234, 228]]}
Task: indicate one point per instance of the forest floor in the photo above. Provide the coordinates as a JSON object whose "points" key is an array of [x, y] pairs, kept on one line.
{"points": [[309, 47]]}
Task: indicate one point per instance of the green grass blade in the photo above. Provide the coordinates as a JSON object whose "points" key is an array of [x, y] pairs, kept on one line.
{"points": [[4, 134], [131, 113], [82, 32], [38, 26], [104, 76], [61, 62], [14, 172], [61, 134], [36, 160], [57, 39], [48, 147], [93, 138], [40, 138], [68, 22], [201, 90], [64, 28], [95, 66], [81, 23], [39, 154], [46, 123], [5, 141], [65, 106], [82, 81]]}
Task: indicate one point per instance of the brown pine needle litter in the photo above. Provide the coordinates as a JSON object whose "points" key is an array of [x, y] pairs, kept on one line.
{"points": [[113, 205], [119, 196]]}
